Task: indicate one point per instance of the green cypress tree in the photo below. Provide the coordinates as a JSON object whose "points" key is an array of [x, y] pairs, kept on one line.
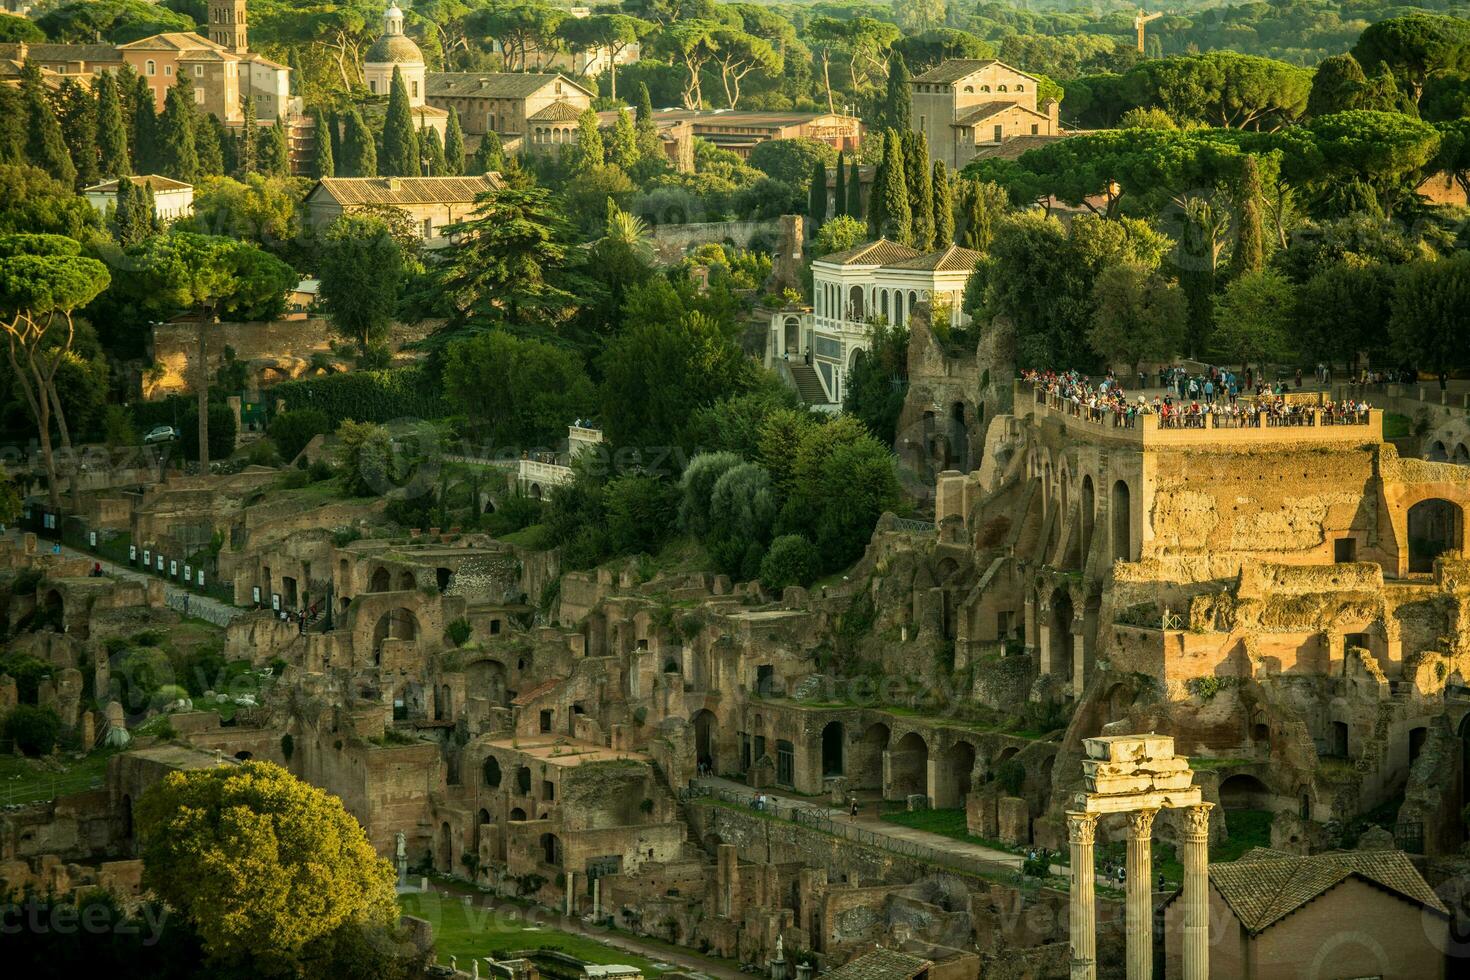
{"points": [[209, 142], [123, 217], [920, 181], [45, 145], [888, 207], [142, 122], [489, 157], [322, 164], [589, 152], [943, 207], [12, 126], [178, 155], [854, 189], [839, 196], [76, 110], [400, 156], [147, 206], [650, 147], [816, 200], [359, 154], [1250, 238], [622, 145], [433, 164], [247, 146], [898, 99], [453, 146], [273, 155], [112, 131], [334, 124]]}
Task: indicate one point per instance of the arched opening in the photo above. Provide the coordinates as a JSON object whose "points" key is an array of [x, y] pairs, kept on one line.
{"points": [[1416, 742], [1122, 523], [865, 764], [1244, 792], [959, 765], [491, 771], [706, 732], [551, 850], [244, 755], [380, 581], [483, 818], [535, 491], [517, 815], [791, 341], [1089, 508], [959, 439], [50, 611], [1118, 700], [1005, 755], [855, 303], [446, 848], [1436, 453], [396, 624], [908, 764], [486, 679], [406, 581], [442, 578], [833, 761], [344, 576], [1435, 527], [1061, 635], [523, 780]]}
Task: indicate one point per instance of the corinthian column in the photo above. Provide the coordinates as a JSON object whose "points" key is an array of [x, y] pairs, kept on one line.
{"points": [[1081, 828], [1140, 906], [1195, 843]]}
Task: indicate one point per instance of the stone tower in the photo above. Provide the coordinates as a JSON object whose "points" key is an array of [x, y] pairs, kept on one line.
{"points": [[227, 25]]}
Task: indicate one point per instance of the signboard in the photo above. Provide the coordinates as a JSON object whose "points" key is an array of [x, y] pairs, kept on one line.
{"points": [[200, 578], [147, 557], [132, 554], [276, 601], [92, 536], [160, 563], [173, 568], [254, 593], [188, 574]]}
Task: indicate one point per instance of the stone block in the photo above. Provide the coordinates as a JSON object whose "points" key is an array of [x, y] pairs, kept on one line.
{"points": [[1014, 820], [1130, 748], [980, 818]]}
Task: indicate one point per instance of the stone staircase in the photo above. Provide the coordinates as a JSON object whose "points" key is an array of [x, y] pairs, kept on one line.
{"points": [[808, 384]]}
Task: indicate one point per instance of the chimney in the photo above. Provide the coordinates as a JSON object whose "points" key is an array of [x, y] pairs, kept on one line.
{"points": [[22, 50], [393, 184]]}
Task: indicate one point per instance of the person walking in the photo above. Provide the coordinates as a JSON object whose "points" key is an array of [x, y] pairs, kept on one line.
{"points": [[852, 808]]}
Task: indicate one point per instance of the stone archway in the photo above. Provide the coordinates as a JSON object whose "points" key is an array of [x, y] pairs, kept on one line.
{"points": [[1243, 791], [953, 775], [706, 738], [381, 580], [1089, 511], [908, 767], [395, 624], [490, 772], [445, 860], [834, 749], [1060, 636], [1122, 521], [1435, 526]]}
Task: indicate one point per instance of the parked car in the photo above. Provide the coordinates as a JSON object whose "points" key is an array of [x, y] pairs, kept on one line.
{"points": [[160, 433]]}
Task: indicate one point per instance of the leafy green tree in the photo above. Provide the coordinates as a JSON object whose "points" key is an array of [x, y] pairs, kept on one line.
{"points": [[433, 163], [178, 156], [292, 430], [14, 29], [1140, 316], [322, 163], [878, 381], [842, 480], [1249, 254], [32, 730], [517, 392], [888, 207], [31, 200], [210, 139], [1427, 324], [507, 263], [816, 207], [612, 33], [839, 196], [589, 151], [207, 276], [247, 141], [1384, 151], [453, 145], [132, 219], [400, 156], [742, 508], [982, 206], [76, 111], [697, 486], [622, 145], [138, 106], [365, 456], [1253, 318], [920, 182], [943, 203], [639, 509], [690, 45], [362, 269], [791, 560], [854, 190], [1221, 88], [1337, 86], [1416, 46], [259, 862], [1341, 311], [118, 21], [738, 54], [838, 235], [274, 155], [489, 158], [359, 154], [895, 113], [45, 146], [112, 131], [44, 279], [790, 160]]}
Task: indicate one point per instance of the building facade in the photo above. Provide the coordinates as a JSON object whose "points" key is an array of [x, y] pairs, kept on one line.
{"points": [[527, 111], [880, 281], [740, 131], [172, 199], [433, 203], [963, 104]]}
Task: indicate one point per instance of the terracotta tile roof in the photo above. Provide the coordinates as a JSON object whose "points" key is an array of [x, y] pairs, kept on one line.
{"points": [[176, 41], [981, 113], [952, 259], [102, 53], [525, 698], [881, 252], [881, 964], [953, 70], [492, 84], [1265, 886], [558, 111], [151, 180], [353, 191], [1012, 148], [747, 118]]}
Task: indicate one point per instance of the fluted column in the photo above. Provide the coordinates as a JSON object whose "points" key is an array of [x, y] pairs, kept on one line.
{"points": [[1195, 843], [1081, 830], [1140, 906]]}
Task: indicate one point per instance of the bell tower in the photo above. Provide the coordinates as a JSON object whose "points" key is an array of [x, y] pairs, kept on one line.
{"points": [[227, 25]]}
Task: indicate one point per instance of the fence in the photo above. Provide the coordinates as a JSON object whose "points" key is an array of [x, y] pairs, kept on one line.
{"points": [[806, 815], [910, 526]]}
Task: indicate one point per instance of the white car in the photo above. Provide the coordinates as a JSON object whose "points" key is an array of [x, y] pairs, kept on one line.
{"points": [[160, 433]]}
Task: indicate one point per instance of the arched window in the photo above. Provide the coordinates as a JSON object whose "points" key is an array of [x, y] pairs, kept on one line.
{"points": [[150, 67], [1020, 87], [985, 88], [970, 88], [1000, 88]]}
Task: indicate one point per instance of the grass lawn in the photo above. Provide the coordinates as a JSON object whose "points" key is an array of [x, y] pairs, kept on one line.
{"points": [[946, 823], [469, 932], [536, 537], [29, 780]]}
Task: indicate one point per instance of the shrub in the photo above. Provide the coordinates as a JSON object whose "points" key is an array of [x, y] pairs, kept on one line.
{"points": [[291, 431], [1012, 776], [515, 513], [320, 470], [792, 560], [458, 631], [367, 396], [32, 729], [640, 512], [221, 432]]}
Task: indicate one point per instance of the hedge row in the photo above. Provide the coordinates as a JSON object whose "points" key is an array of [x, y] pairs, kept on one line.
{"points": [[365, 396]]}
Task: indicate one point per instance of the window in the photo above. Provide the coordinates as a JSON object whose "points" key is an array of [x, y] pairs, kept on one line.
{"points": [[199, 96], [1345, 549], [150, 68], [428, 228], [1034, 129], [373, 85], [999, 133], [969, 89], [168, 71], [1020, 87], [415, 87], [198, 71], [1000, 88]]}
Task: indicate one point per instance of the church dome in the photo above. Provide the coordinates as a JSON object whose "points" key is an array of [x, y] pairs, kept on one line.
{"points": [[394, 49]]}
